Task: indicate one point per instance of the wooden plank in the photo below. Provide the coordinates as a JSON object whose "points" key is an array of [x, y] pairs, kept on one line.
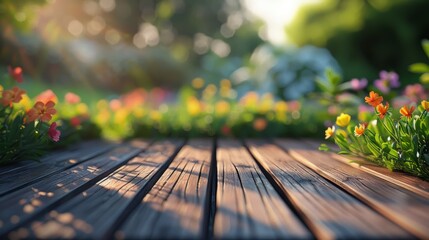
{"points": [[403, 179], [402, 206], [47, 158], [174, 207], [94, 213], [330, 212], [23, 176], [247, 205], [28, 202]]}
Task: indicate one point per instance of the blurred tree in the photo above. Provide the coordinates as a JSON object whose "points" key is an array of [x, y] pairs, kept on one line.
{"points": [[180, 32], [365, 36]]}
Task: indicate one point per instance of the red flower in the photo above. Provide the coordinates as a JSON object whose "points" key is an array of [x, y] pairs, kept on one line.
{"points": [[226, 130], [75, 121], [53, 132], [11, 96], [16, 73], [374, 99], [41, 111]]}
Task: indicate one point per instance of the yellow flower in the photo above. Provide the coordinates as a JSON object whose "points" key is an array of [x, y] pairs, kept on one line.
{"points": [[121, 116], [1, 88], [329, 132], [209, 91], [198, 83], [222, 108], [155, 116], [82, 108], [343, 120], [26, 102], [193, 106], [225, 83], [425, 105], [281, 107]]}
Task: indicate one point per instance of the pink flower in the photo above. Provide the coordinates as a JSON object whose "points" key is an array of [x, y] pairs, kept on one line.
{"points": [[386, 81], [357, 84], [415, 92], [54, 133], [16, 73], [47, 96], [71, 98]]}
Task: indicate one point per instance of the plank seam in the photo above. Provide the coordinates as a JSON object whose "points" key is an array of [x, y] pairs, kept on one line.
{"points": [[210, 204], [141, 194], [282, 193]]}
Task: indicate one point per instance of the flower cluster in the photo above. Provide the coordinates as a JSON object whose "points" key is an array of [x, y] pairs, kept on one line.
{"points": [[205, 109], [399, 143], [24, 134]]}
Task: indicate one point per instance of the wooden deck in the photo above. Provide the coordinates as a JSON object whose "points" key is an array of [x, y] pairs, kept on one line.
{"points": [[205, 189]]}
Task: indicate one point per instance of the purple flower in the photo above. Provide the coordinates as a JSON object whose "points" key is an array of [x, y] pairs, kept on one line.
{"points": [[386, 81], [357, 84]]}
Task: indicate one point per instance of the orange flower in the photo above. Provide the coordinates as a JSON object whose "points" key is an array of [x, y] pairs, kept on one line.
{"points": [[407, 112], [382, 110], [425, 105], [374, 99], [41, 111], [16, 73], [11, 96], [359, 131], [259, 124]]}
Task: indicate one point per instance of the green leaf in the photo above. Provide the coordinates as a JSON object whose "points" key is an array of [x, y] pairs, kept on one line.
{"points": [[425, 44], [419, 68], [324, 147], [344, 152]]}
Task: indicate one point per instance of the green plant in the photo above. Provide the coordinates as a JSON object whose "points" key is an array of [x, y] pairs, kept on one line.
{"points": [[396, 143]]}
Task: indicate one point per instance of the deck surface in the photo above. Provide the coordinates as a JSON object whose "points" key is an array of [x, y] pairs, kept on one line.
{"points": [[206, 188]]}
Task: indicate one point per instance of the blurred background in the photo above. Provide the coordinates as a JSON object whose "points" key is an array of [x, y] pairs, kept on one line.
{"points": [[103, 49]]}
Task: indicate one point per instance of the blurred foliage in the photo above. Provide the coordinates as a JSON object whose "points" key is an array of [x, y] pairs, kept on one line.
{"points": [[422, 68], [19, 13], [120, 45], [365, 36]]}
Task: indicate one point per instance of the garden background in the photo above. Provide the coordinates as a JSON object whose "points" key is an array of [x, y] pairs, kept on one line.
{"points": [[145, 68]]}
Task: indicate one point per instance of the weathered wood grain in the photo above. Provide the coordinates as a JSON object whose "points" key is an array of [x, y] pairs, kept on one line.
{"points": [[28, 202], [405, 180], [330, 212], [47, 158], [94, 212], [402, 206], [247, 205], [175, 206], [32, 172]]}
